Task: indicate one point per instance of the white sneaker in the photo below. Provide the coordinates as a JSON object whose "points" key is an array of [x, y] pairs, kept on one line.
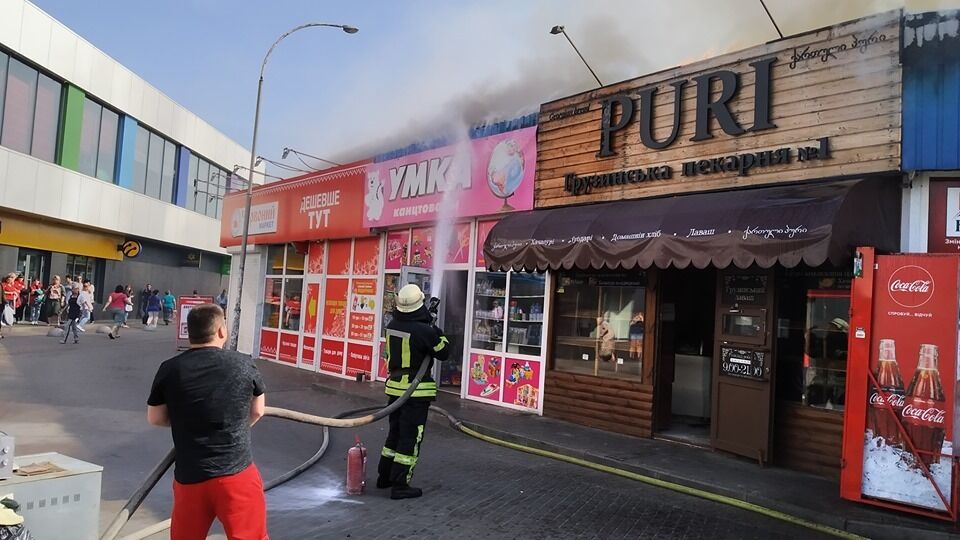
{"points": [[82, 329]]}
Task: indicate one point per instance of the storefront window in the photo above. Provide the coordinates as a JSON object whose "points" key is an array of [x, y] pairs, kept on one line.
{"points": [[525, 313], [295, 260], [272, 295], [812, 333], [292, 291], [275, 260], [490, 310], [598, 327]]}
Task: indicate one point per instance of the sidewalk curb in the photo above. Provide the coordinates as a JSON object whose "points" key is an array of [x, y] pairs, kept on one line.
{"points": [[870, 529]]}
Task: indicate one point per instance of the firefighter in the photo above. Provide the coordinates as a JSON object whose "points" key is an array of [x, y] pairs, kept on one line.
{"points": [[412, 339]]}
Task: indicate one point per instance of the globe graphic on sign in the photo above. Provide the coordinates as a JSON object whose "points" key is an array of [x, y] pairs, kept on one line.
{"points": [[505, 171]]}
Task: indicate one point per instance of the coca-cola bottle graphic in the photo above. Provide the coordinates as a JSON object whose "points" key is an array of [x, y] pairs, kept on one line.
{"points": [[924, 415], [879, 420]]}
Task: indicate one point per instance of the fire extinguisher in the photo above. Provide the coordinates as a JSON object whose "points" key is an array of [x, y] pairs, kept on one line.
{"points": [[356, 468]]}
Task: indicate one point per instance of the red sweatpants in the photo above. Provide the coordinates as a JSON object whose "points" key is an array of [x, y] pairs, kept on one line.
{"points": [[236, 500]]}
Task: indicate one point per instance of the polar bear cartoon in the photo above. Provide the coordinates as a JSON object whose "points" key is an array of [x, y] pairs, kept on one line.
{"points": [[374, 196]]}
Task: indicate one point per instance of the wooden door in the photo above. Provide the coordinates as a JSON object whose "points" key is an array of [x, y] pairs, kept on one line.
{"points": [[743, 366]]}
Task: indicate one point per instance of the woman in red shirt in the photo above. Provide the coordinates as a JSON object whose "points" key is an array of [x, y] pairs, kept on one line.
{"points": [[116, 306], [11, 297]]}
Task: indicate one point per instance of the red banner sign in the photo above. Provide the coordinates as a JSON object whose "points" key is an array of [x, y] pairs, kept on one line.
{"points": [[322, 205]]}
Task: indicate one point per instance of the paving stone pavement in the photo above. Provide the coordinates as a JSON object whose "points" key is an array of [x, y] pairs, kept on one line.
{"points": [[87, 401]]}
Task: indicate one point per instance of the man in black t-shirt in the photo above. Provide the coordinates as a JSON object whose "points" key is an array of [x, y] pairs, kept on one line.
{"points": [[210, 398]]}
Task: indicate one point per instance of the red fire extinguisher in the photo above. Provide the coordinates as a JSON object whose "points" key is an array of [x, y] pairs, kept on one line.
{"points": [[356, 468]]}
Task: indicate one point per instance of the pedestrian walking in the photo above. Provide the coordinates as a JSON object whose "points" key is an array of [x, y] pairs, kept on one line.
{"points": [[215, 476], [154, 307], [115, 306], [86, 305], [222, 300], [412, 339], [74, 312], [144, 297], [55, 296], [169, 305], [128, 308]]}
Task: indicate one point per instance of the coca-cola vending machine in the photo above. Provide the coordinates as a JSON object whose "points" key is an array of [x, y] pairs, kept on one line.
{"points": [[902, 374]]}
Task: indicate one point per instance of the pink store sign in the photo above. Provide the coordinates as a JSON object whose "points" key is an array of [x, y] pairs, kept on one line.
{"points": [[487, 176]]}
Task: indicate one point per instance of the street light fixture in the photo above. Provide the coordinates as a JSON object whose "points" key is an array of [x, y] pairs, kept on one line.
{"points": [[559, 29], [287, 151], [234, 334]]}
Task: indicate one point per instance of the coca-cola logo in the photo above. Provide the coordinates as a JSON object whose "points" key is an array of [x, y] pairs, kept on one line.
{"points": [[911, 286], [929, 415], [895, 400]]}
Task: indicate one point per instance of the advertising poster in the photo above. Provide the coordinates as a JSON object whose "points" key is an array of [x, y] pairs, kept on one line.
{"points": [[913, 360], [338, 258], [485, 376], [268, 344], [421, 247], [483, 230], [359, 359], [335, 308], [489, 175], [331, 356], [326, 204], [312, 305], [315, 258], [366, 256], [382, 371], [309, 352], [184, 305], [398, 247], [289, 345], [943, 233], [521, 383], [363, 309], [458, 252]]}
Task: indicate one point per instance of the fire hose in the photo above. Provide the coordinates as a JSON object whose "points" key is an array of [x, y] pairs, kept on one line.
{"points": [[340, 420]]}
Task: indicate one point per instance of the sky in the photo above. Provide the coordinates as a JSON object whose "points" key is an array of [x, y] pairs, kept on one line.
{"points": [[417, 69]]}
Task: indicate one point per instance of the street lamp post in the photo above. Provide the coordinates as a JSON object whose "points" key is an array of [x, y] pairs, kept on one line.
{"points": [[561, 30], [235, 330]]}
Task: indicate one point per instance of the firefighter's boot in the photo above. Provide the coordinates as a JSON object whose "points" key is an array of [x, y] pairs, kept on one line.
{"points": [[405, 492]]}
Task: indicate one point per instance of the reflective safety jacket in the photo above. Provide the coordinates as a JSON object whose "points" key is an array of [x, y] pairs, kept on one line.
{"points": [[411, 340]]}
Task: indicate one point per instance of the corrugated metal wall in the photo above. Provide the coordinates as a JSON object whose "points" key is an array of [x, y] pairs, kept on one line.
{"points": [[931, 91]]}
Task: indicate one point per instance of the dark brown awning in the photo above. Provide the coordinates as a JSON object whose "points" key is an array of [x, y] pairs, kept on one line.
{"points": [[812, 223]]}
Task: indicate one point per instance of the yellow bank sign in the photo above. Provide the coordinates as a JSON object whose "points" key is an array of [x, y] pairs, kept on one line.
{"points": [[28, 232]]}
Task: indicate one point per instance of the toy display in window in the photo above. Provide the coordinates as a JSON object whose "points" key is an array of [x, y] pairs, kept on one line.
{"points": [[636, 337], [606, 340]]}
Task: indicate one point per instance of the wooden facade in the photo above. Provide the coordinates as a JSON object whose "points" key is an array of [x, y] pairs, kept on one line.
{"points": [[842, 83], [853, 97]]}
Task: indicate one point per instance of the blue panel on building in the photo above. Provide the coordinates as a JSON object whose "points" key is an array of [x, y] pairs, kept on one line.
{"points": [[931, 91], [183, 177], [477, 132], [128, 146]]}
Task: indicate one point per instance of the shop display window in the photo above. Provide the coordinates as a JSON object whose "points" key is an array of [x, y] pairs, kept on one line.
{"points": [[272, 300], [389, 301], [292, 299], [275, 255], [812, 332], [525, 314], [295, 260], [598, 326], [490, 311]]}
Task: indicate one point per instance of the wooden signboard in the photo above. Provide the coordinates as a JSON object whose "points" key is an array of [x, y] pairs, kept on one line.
{"points": [[817, 105]]}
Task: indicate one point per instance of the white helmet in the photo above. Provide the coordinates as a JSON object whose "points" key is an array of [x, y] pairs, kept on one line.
{"points": [[409, 299]]}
